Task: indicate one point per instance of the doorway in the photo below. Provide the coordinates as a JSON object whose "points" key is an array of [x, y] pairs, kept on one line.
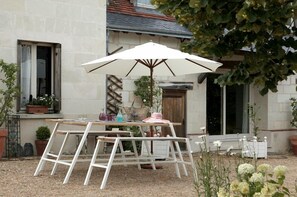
{"points": [[174, 109], [226, 108]]}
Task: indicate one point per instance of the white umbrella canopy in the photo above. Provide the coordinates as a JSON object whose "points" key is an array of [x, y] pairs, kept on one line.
{"points": [[151, 59]]}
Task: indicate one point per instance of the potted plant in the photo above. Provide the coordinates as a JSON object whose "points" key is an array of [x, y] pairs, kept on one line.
{"points": [[254, 148], [8, 93], [42, 135], [40, 104]]}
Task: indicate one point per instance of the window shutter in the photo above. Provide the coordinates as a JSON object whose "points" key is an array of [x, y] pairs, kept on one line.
{"points": [[57, 76]]}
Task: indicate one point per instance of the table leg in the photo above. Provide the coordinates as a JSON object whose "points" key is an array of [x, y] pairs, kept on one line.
{"points": [[77, 153], [178, 149], [46, 151]]}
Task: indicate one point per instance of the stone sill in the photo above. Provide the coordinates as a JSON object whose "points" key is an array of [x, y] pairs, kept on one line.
{"points": [[25, 116]]}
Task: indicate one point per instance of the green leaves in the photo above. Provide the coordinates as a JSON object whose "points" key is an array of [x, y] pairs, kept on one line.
{"points": [[221, 28], [9, 91]]}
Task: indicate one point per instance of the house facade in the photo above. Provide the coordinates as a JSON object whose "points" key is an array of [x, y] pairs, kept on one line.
{"points": [[50, 40]]}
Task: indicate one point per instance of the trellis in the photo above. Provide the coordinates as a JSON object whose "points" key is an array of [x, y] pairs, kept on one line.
{"points": [[114, 95]]}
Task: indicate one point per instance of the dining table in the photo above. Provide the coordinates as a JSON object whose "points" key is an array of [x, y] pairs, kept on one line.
{"points": [[88, 125]]}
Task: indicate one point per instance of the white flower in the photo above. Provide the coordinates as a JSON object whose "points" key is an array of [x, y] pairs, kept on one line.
{"points": [[234, 186], [222, 192], [264, 168], [217, 143], [243, 187], [257, 178], [246, 168], [280, 171]]}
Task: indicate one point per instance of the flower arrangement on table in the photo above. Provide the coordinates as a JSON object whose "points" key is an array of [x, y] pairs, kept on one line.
{"points": [[41, 104], [257, 181]]}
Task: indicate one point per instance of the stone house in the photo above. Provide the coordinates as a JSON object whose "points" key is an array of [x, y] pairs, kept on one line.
{"points": [[64, 34]]}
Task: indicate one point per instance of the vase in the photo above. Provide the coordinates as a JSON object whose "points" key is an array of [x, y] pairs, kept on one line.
{"points": [[37, 109]]}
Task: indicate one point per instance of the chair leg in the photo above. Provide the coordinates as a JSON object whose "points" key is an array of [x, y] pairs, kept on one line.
{"points": [[122, 151], [172, 151], [59, 154], [106, 174], [93, 160]]}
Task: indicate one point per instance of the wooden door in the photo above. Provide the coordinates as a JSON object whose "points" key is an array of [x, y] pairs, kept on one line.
{"points": [[174, 109]]}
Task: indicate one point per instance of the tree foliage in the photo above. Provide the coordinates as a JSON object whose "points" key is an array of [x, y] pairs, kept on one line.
{"points": [[264, 29]]}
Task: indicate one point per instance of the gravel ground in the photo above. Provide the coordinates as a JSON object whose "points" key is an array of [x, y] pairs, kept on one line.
{"points": [[17, 180]]}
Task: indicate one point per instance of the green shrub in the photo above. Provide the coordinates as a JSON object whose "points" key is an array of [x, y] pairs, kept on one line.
{"points": [[43, 133]]}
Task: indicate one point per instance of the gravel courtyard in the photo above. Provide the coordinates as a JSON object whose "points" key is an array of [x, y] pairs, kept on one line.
{"points": [[17, 179]]}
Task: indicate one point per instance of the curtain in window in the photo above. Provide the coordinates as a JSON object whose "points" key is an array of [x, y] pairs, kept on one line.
{"points": [[26, 64]]}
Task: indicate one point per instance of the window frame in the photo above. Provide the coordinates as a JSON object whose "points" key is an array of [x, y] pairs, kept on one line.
{"points": [[55, 71]]}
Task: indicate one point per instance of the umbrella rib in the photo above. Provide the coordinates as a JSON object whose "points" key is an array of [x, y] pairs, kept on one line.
{"points": [[101, 66], [199, 64], [164, 60], [132, 68]]}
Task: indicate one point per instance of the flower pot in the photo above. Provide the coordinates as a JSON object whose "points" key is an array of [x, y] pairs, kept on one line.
{"points": [[3, 135], [40, 146], [293, 142], [37, 109]]}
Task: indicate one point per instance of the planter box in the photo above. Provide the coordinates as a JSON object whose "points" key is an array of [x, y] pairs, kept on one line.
{"points": [[36, 109], [255, 148], [160, 149]]}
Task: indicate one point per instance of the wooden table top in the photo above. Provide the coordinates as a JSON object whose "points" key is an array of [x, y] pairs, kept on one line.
{"points": [[108, 123]]}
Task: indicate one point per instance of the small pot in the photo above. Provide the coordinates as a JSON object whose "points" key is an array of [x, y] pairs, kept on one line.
{"points": [[293, 142]]}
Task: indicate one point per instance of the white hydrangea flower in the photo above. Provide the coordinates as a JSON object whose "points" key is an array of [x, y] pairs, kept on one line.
{"points": [[280, 171], [268, 189], [246, 169], [234, 186], [222, 192], [243, 188], [257, 178], [264, 168]]}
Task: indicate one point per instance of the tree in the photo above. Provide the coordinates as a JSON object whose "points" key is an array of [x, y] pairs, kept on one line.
{"points": [[264, 29]]}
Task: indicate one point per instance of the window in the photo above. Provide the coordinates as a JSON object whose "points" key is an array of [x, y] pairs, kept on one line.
{"points": [[40, 71], [226, 108], [144, 3]]}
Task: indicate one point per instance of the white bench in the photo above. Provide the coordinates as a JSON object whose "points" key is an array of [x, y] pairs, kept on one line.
{"points": [[57, 158], [136, 159]]}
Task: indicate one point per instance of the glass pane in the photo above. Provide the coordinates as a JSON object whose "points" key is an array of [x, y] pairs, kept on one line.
{"points": [[26, 66], [44, 59], [214, 106], [146, 2], [236, 103]]}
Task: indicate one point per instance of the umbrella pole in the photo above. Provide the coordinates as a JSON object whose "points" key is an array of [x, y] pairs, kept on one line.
{"points": [[151, 105]]}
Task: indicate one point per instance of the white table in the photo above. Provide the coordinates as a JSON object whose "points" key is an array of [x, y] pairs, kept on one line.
{"points": [[87, 124]]}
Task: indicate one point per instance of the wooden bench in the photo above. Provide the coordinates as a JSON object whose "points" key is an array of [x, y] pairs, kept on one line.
{"points": [[136, 159]]}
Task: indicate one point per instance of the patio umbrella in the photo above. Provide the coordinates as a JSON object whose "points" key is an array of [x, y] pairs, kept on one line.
{"points": [[151, 59]]}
